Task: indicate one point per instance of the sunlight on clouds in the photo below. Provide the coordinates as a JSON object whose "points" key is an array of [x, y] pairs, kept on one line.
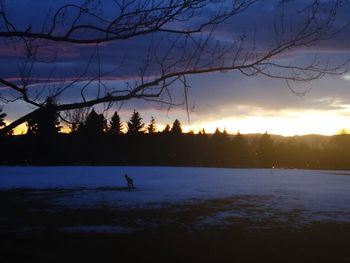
{"points": [[347, 77]]}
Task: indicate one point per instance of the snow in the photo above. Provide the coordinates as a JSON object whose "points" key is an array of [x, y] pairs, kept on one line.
{"points": [[317, 195]]}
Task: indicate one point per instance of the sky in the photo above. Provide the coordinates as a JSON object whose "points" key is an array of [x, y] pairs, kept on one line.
{"points": [[227, 100]]}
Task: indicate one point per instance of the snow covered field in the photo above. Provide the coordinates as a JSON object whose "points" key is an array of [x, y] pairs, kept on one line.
{"points": [[315, 195]]}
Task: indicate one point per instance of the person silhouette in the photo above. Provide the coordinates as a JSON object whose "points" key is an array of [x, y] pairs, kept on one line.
{"points": [[130, 182]]}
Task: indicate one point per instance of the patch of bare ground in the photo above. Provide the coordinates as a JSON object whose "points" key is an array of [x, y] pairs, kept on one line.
{"points": [[236, 229]]}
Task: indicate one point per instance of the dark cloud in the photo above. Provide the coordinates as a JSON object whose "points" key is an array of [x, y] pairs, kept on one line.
{"points": [[257, 22], [211, 95]]}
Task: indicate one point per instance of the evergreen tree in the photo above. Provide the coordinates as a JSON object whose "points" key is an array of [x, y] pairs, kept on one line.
{"points": [[94, 125], [239, 140], [152, 128], [115, 125], [45, 122], [176, 128], [166, 129], [201, 132], [220, 135], [265, 150], [265, 142], [217, 132], [219, 147], [135, 125], [2, 117], [239, 149]]}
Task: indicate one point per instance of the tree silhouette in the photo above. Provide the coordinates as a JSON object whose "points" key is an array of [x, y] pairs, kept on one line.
{"points": [[217, 132], [166, 129], [239, 150], [187, 35], [239, 141], [176, 128], [94, 125], [135, 125], [152, 127], [2, 117], [32, 126], [115, 125], [45, 122], [219, 144], [265, 150], [76, 118]]}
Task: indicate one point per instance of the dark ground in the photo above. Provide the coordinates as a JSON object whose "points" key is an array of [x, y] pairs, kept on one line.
{"points": [[32, 229]]}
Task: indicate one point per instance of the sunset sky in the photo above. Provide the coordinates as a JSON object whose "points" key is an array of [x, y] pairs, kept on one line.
{"points": [[226, 100]]}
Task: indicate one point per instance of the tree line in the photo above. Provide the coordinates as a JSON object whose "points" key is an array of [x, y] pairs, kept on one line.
{"points": [[95, 141]]}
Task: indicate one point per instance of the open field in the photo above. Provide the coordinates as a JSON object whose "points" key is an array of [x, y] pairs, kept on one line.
{"points": [[174, 215]]}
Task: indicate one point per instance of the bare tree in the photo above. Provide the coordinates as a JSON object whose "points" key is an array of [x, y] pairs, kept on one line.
{"points": [[76, 118], [181, 37]]}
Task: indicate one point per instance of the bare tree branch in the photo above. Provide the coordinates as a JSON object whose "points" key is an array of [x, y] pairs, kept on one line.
{"points": [[183, 41]]}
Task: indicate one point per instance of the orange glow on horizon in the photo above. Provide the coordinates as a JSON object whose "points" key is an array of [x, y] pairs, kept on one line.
{"points": [[21, 129], [288, 123], [285, 123]]}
